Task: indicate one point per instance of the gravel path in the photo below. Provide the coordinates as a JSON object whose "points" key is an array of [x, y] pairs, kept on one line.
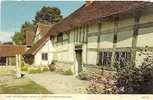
{"points": [[60, 84]]}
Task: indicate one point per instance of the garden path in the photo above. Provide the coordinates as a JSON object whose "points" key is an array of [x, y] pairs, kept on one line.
{"points": [[60, 84]]}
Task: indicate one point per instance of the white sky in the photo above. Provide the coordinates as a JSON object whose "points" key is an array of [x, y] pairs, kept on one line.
{"points": [[6, 36]]}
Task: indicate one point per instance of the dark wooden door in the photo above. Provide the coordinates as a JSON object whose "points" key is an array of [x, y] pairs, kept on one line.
{"points": [[79, 60]]}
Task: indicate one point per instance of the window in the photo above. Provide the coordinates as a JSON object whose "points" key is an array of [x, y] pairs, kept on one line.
{"points": [[105, 58], [44, 56], [123, 58], [60, 37]]}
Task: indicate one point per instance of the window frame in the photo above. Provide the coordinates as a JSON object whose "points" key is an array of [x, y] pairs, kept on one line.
{"points": [[123, 56], [60, 38], [44, 56], [105, 58]]}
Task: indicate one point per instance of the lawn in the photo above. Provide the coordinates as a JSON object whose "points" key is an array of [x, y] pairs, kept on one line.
{"points": [[9, 84], [6, 71]]}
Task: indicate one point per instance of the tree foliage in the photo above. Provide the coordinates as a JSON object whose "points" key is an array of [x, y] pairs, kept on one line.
{"points": [[45, 15], [48, 15], [20, 37]]}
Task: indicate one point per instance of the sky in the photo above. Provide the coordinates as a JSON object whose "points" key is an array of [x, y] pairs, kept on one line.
{"points": [[15, 13]]}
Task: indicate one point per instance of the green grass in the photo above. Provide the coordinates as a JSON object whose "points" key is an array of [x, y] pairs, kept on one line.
{"points": [[9, 84], [68, 72], [25, 87], [5, 71], [33, 70], [24, 68], [45, 69]]}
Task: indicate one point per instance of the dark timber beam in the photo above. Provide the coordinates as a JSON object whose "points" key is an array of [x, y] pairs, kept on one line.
{"points": [[87, 31], [98, 41], [137, 16], [116, 20]]}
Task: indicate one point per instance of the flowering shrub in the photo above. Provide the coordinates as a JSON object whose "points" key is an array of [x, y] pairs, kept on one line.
{"points": [[127, 80], [137, 80], [101, 85]]}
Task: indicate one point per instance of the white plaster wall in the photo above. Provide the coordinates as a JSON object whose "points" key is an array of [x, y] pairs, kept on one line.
{"points": [[145, 37], [64, 53], [147, 18], [92, 42], [93, 28], [107, 25], [47, 48], [126, 22], [84, 54], [37, 36], [65, 36], [72, 36], [124, 39], [92, 57], [106, 40]]}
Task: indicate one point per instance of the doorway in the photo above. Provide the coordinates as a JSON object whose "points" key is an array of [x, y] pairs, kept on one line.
{"points": [[78, 52]]}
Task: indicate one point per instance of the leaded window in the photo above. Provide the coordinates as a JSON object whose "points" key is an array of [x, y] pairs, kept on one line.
{"points": [[122, 59], [44, 56], [105, 58]]}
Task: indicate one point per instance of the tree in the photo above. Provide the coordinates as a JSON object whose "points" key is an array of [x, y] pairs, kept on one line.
{"points": [[48, 15], [45, 15], [18, 38]]}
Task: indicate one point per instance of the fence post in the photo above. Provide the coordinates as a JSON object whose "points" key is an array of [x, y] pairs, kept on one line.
{"points": [[18, 65]]}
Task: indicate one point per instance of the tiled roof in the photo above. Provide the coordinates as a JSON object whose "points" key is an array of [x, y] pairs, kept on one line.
{"points": [[33, 50], [96, 11], [44, 28], [11, 50], [88, 14]]}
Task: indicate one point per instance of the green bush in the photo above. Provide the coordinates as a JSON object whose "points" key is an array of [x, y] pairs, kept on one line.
{"points": [[33, 70], [24, 68], [44, 69], [83, 76], [137, 80], [68, 72], [127, 79]]}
